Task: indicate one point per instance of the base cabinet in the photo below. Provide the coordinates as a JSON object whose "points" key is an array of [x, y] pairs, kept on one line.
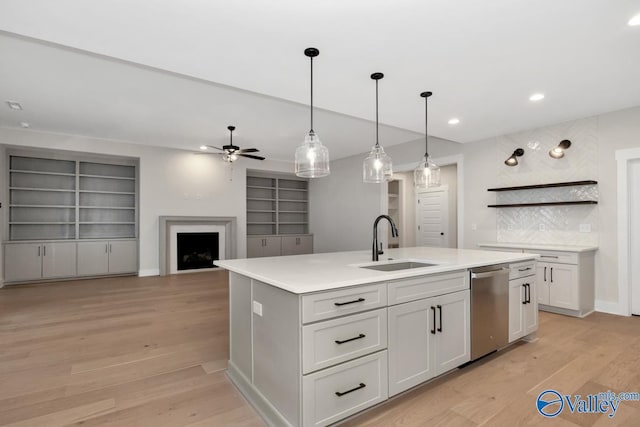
{"points": [[559, 285], [523, 307], [264, 246], [34, 261], [107, 257], [427, 338]]}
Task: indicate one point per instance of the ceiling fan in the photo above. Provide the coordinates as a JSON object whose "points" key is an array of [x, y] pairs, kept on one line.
{"points": [[231, 152]]}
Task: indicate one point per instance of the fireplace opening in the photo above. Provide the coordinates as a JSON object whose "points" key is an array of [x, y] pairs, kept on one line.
{"points": [[197, 250]]}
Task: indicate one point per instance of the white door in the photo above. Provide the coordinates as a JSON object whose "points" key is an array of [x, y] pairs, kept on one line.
{"points": [[634, 234], [432, 217], [123, 256], [58, 259]]}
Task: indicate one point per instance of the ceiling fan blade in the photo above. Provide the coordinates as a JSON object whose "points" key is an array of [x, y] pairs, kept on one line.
{"points": [[217, 148], [252, 156], [248, 150]]}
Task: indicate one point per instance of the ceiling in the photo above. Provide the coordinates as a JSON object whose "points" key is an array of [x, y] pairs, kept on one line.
{"points": [[176, 73]]}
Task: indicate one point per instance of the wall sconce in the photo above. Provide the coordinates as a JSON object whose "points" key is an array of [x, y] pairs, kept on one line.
{"points": [[513, 160], [558, 152]]}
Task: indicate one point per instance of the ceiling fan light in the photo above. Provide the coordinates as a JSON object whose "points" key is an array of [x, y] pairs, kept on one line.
{"points": [[312, 158]]}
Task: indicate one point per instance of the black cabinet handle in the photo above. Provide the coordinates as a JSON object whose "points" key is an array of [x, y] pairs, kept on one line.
{"points": [[440, 314], [524, 269], [433, 330], [545, 274], [360, 336], [551, 274], [348, 302], [342, 393], [524, 285], [527, 293]]}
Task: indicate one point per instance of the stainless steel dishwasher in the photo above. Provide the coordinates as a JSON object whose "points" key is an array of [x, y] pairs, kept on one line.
{"points": [[489, 309]]}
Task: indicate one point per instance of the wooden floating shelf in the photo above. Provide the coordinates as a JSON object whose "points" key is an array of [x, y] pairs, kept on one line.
{"points": [[520, 205], [550, 185]]}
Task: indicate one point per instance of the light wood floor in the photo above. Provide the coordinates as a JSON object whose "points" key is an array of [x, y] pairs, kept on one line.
{"points": [[151, 352]]}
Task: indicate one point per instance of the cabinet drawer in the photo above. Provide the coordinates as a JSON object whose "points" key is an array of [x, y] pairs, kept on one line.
{"points": [[334, 341], [326, 305], [416, 288], [553, 256], [335, 393], [522, 269]]}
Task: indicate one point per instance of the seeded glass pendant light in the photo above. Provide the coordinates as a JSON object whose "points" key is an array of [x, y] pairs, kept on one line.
{"points": [[312, 158], [427, 174], [377, 166]]}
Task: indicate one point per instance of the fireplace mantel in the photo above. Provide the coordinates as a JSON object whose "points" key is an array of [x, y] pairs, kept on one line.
{"points": [[165, 223]]}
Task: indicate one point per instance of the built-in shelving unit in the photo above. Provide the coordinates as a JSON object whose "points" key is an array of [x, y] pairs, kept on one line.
{"points": [[277, 205], [542, 186]]}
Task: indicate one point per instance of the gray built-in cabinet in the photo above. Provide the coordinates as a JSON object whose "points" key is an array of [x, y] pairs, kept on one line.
{"points": [[277, 216], [69, 216]]}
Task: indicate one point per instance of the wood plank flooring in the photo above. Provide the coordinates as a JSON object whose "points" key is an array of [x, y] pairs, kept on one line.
{"points": [[152, 351]]}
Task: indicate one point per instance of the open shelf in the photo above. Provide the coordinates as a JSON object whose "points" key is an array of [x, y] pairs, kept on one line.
{"points": [[550, 185], [521, 205]]}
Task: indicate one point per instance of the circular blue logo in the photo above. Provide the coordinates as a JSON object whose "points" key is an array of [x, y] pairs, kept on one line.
{"points": [[549, 403]]}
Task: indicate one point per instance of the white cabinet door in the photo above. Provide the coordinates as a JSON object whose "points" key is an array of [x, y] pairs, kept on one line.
{"points": [[531, 309], [411, 332], [517, 306], [58, 260], [563, 286], [453, 331], [263, 246], [93, 258], [22, 261], [542, 274], [123, 256]]}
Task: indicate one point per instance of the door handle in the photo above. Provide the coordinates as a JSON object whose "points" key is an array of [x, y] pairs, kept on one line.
{"points": [[440, 314], [528, 293], [433, 330], [38, 250], [342, 393], [524, 285], [551, 274], [545, 274], [442, 234], [110, 248], [44, 250], [106, 248]]}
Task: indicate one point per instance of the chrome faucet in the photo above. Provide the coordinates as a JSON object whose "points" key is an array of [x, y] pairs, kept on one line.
{"points": [[394, 233]]}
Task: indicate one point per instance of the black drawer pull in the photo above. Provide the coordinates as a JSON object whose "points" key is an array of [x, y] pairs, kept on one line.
{"points": [[525, 293], [440, 314], [360, 336], [433, 329], [342, 393], [524, 269], [348, 302]]}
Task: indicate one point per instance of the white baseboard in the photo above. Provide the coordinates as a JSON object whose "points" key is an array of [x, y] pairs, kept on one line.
{"points": [[149, 272], [610, 307]]}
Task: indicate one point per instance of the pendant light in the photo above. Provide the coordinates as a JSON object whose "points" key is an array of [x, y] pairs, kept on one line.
{"points": [[312, 158], [377, 166], [427, 174]]}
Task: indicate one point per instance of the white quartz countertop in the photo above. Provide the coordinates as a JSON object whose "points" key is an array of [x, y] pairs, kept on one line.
{"points": [[326, 271], [537, 246]]}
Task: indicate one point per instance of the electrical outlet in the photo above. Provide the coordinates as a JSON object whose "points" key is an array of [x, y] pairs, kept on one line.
{"points": [[585, 228], [257, 308], [542, 227]]}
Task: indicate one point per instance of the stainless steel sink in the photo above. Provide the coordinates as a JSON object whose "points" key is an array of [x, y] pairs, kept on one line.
{"points": [[398, 266]]}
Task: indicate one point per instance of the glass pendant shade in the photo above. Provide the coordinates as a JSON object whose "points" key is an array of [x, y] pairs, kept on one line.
{"points": [[377, 167], [427, 174], [312, 158]]}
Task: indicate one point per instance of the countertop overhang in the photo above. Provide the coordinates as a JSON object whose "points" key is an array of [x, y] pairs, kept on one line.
{"points": [[539, 246], [302, 274]]}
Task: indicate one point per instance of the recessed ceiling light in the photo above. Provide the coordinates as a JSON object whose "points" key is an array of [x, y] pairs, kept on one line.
{"points": [[454, 121], [14, 105], [536, 97], [203, 147], [635, 21], [24, 124]]}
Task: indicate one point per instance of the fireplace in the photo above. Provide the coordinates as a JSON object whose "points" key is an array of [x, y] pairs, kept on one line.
{"points": [[192, 243], [197, 250]]}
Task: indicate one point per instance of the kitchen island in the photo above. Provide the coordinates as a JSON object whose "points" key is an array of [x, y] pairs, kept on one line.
{"points": [[317, 338]]}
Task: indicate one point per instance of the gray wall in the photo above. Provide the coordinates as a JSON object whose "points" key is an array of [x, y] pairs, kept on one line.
{"points": [[172, 182]]}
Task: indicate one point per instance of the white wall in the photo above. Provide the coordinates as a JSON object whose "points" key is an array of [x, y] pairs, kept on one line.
{"points": [[343, 208], [172, 182]]}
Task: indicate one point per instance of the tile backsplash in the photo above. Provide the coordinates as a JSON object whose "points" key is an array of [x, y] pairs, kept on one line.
{"points": [[549, 224]]}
